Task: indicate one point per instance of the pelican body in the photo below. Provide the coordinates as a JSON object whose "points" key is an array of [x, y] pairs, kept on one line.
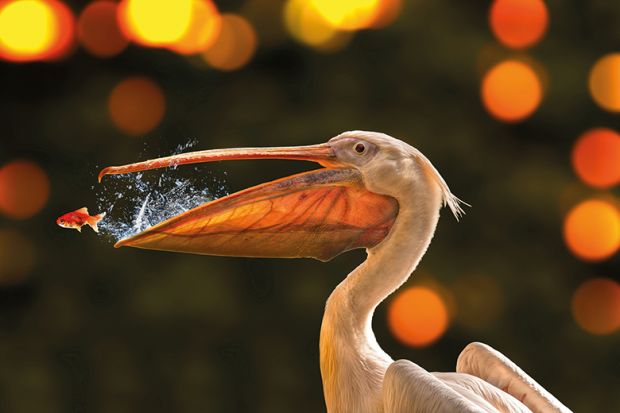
{"points": [[374, 192]]}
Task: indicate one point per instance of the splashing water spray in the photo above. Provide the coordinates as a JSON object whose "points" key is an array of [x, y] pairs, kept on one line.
{"points": [[136, 202]]}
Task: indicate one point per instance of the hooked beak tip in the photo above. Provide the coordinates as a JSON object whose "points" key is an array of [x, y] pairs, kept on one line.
{"points": [[103, 173], [121, 243]]}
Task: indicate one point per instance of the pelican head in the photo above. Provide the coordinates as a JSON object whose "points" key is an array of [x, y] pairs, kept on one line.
{"points": [[389, 166], [352, 202]]}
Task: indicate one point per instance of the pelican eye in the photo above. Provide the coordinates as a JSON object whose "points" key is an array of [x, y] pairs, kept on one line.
{"points": [[360, 148]]}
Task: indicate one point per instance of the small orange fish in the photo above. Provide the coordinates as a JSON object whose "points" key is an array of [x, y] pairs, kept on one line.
{"points": [[78, 218]]}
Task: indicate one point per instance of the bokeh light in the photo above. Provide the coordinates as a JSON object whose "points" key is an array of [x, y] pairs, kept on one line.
{"points": [[596, 306], [417, 316], [155, 22], [348, 14], [136, 105], [26, 29], [328, 26], [235, 44], [518, 23], [35, 30], [592, 230], [98, 30], [307, 26], [17, 256], [24, 189], [511, 91], [596, 157], [203, 30], [387, 11], [604, 82], [65, 37]]}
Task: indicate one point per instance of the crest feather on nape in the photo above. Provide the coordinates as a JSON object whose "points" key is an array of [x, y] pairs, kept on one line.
{"points": [[449, 199]]}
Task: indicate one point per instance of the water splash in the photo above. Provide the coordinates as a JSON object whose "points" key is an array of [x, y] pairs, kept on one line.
{"points": [[135, 202]]}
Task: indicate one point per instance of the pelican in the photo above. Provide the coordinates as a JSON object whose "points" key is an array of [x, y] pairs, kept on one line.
{"points": [[375, 192]]}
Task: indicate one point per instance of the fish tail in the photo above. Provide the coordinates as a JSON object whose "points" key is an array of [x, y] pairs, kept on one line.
{"points": [[92, 221]]}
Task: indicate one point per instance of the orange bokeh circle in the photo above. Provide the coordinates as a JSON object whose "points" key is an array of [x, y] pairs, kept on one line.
{"points": [[596, 157], [234, 46], [203, 29], [518, 23], [604, 82], [511, 91], [592, 230], [64, 41], [136, 105], [387, 11], [98, 29], [596, 306], [418, 316], [24, 189]]}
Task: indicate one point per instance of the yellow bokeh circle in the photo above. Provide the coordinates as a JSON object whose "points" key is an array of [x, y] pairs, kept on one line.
{"points": [[27, 29], [155, 22], [348, 14], [203, 30]]}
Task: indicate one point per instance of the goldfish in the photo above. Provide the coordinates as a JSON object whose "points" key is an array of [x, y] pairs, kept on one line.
{"points": [[78, 218]]}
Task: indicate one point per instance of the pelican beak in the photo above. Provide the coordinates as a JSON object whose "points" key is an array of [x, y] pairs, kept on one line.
{"points": [[317, 214]]}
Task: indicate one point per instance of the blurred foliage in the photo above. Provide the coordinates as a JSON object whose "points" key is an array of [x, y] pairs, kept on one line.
{"points": [[94, 329]]}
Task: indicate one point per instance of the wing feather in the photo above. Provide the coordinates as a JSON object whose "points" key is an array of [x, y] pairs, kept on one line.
{"points": [[408, 388], [490, 365]]}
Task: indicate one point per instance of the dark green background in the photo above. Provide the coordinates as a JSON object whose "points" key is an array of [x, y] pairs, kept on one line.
{"points": [[94, 329]]}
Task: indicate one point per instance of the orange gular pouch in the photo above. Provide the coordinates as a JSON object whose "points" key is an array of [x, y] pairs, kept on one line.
{"points": [[317, 214]]}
